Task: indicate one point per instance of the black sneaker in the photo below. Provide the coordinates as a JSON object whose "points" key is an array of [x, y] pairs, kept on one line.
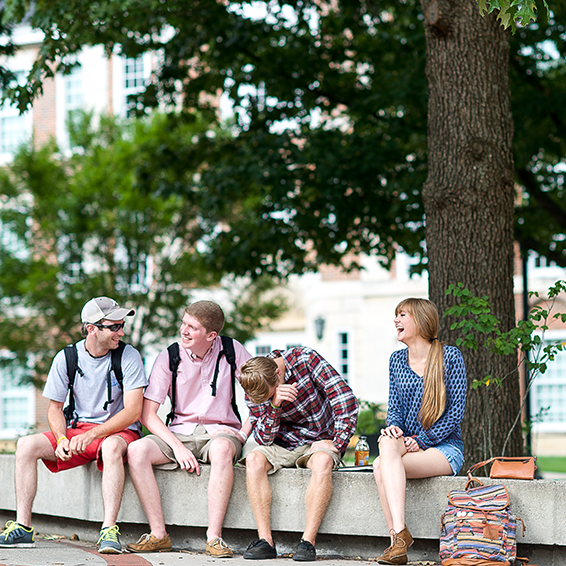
{"points": [[260, 549], [304, 552]]}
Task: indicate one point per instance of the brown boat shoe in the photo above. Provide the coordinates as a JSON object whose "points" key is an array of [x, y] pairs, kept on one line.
{"points": [[218, 548], [149, 543]]}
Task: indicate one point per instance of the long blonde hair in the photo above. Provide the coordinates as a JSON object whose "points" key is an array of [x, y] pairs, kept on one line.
{"points": [[425, 315]]}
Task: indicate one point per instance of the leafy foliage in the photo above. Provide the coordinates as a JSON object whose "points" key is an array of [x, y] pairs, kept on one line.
{"points": [[81, 227], [481, 329], [329, 140], [511, 12], [371, 418]]}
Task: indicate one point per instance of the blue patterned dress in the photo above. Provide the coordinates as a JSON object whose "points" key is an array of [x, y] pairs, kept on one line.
{"points": [[405, 397]]}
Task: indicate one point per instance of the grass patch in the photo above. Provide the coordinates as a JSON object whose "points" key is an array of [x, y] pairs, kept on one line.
{"points": [[551, 464]]}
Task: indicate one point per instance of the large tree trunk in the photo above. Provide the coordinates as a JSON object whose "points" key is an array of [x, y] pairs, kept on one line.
{"points": [[468, 200]]}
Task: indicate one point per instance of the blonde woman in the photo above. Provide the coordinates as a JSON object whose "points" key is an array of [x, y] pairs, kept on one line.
{"points": [[427, 397]]}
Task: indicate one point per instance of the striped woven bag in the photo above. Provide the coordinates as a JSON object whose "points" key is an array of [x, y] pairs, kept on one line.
{"points": [[477, 528]]}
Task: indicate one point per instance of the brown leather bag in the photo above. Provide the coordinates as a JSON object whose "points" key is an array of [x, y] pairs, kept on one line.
{"points": [[509, 467]]}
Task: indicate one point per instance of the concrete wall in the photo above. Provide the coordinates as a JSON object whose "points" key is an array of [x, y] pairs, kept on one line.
{"points": [[354, 509]]}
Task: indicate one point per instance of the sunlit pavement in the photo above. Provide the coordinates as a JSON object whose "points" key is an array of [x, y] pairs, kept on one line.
{"points": [[63, 552]]}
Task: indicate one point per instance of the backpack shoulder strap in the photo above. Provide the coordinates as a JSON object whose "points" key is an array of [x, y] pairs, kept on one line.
{"points": [[174, 361], [116, 367], [230, 353], [116, 356], [72, 360]]}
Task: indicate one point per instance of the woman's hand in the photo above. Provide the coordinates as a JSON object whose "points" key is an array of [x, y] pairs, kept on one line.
{"points": [[411, 444], [392, 431]]}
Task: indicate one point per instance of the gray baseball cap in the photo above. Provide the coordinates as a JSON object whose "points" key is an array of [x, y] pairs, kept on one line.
{"points": [[101, 308]]}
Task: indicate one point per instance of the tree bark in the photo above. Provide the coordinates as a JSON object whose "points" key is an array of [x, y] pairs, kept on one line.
{"points": [[468, 200]]}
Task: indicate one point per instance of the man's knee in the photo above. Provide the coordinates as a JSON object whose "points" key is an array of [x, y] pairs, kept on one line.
{"points": [[321, 463], [138, 452], [222, 450], [34, 446], [256, 463], [113, 448]]}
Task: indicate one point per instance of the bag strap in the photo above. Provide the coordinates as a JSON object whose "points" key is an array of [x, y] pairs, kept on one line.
{"points": [[116, 357], [72, 361], [116, 367], [230, 354], [476, 467], [174, 361]]}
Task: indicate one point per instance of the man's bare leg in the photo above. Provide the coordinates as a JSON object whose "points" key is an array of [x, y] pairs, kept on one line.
{"points": [[221, 455], [259, 493], [113, 450], [143, 454], [318, 493], [29, 450]]}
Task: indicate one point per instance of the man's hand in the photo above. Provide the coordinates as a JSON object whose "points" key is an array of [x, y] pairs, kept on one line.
{"points": [[186, 459], [284, 392], [328, 444], [63, 451], [78, 444]]}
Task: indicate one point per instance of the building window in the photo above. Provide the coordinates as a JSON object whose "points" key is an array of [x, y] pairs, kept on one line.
{"points": [[15, 128], [74, 90], [344, 354], [262, 350], [548, 396], [17, 403], [135, 77]]}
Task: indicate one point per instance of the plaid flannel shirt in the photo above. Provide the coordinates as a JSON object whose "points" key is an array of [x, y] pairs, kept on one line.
{"points": [[325, 408]]}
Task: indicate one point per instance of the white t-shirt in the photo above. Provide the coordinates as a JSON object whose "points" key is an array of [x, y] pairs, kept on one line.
{"points": [[91, 390]]}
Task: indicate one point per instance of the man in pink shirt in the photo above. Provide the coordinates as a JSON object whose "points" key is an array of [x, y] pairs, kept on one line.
{"points": [[204, 428]]}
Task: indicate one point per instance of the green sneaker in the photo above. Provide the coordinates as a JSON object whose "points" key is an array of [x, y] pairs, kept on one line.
{"points": [[109, 543], [16, 536]]}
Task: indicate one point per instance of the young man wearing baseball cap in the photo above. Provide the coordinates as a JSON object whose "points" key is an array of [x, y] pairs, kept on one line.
{"points": [[105, 421]]}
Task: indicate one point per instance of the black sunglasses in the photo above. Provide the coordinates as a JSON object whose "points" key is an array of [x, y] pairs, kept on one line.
{"points": [[112, 327]]}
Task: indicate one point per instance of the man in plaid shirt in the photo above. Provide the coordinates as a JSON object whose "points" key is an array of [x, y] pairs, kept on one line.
{"points": [[303, 414]]}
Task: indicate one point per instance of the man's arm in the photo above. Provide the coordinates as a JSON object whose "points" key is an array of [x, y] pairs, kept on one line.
{"points": [[155, 425], [265, 422], [58, 426], [340, 396], [133, 401]]}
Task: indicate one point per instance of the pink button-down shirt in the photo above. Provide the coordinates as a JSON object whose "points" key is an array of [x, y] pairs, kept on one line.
{"points": [[194, 402]]}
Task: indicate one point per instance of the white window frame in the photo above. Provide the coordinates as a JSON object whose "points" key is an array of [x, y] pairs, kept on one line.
{"points": [[26, 392], [339, 351], [551, 378], [121, 92], [24, 127]]}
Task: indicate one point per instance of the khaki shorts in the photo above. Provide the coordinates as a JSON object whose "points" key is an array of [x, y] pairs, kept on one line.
{"points": [[198, 443], [280, 457]]}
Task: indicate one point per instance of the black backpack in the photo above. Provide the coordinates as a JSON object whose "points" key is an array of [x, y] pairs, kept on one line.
{"points": [[72, 359], [175, 359]]}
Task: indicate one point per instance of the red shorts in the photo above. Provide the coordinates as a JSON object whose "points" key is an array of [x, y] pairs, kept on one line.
{"points": [[93, 451]]}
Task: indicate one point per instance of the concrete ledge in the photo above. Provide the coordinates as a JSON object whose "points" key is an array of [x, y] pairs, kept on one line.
{"points": [[354, 509]]}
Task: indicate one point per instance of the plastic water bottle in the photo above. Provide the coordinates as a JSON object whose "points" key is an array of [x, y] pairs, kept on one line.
{"points": [[362, 452]]}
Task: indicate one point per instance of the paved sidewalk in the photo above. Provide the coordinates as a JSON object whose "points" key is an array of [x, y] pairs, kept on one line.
{"points": [[63, 552]]}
